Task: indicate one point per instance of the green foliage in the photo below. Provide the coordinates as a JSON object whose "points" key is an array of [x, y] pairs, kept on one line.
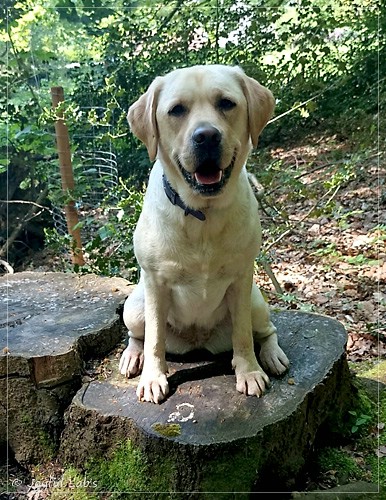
{"points": [[230, 475], [379, 465], [362, 416], [124, 472], [105, 56], [74, 486], [107, 234], [337, 460], [360, 421], [358, 460], [129, 473]]}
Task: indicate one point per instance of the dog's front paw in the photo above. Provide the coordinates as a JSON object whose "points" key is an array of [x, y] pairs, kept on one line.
{"points": [[131, 361], [272, 357], [250, 378], [252, 383], [153, 388]]}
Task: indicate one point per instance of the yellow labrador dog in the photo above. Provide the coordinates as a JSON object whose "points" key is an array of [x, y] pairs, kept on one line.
{"points": [[199, 230]]}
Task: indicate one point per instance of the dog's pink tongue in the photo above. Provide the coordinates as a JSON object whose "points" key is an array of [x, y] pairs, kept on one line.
{"points": [[212, 178]]}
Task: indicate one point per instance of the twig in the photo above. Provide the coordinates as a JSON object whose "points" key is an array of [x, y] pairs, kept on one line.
{"points": [[7, 266], [259, 196], [24, 202], [275, 242], [259, 193], [33, 216], [316, 169], [118, 136], [321, 167], [298, 106], [303, 174], [291, 229], [22, 68], [333, 194], [167, 20], [318, 202], [256, 184], [268, 269], [22, 224]]}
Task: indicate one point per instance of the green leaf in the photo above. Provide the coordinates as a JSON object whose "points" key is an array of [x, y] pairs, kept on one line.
{"points": [[104, 233]]}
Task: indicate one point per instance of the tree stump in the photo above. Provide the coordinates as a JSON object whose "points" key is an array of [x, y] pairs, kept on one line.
{"points": [[49, 324], [206, 436]]}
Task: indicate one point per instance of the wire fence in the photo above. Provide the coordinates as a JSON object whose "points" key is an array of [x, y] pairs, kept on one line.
{"points": [[95, 169]]}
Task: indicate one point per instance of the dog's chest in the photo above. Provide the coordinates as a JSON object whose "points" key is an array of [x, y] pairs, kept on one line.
{"points": [[197, 271], [196, 256], [201, 275], [198, 294]]}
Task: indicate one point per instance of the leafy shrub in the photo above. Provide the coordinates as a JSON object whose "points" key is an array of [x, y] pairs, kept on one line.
{"points": [[107, 233]]}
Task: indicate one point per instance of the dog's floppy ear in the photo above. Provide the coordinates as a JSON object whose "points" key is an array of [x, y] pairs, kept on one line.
{"points": [[261, 104], [142, 118]]}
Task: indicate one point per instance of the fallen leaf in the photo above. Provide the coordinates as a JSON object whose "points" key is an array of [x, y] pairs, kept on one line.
{"points": [[381, 451], [321, 299], [314, 229]]}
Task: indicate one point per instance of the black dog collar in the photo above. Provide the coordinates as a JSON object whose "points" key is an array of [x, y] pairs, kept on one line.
{"points": [[175, 199]]}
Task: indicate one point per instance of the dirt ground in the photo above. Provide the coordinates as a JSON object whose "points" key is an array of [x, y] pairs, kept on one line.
{"points": [[333, 259]]}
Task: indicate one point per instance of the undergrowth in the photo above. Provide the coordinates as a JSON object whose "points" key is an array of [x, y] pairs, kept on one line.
{"points": [[359, 456]]}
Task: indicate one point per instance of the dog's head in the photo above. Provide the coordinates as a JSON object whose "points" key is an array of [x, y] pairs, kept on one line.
{"points": [[201, 122]]}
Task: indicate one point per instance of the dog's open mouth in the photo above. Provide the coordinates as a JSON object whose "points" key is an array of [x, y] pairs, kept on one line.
{"points": [[208, 176], [208, 179]]}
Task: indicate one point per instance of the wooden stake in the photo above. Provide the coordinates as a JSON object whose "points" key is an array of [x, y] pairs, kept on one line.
{"points": [[66, 173]]}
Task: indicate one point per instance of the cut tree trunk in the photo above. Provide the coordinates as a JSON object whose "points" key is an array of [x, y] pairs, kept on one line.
{"points": [[207, 437], [49, 324]]}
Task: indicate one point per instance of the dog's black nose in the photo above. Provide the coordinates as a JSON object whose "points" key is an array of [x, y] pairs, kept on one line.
{"points": [[206, 136]]}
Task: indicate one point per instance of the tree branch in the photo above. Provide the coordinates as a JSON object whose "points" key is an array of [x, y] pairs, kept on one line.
{"points": [[22, 68], [24, 202], [268, 269], [7, 266], [259, 193], [171, 15]]}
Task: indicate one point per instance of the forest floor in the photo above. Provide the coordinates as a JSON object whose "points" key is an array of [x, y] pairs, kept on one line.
{"points": [[324, 237], [324, 223]]}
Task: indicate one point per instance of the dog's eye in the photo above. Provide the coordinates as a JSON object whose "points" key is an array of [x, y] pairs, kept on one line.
{"points": [[225, 104], [177, 110]]}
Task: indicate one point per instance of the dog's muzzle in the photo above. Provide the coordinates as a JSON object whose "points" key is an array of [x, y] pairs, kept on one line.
{"points": [[209, 178]]}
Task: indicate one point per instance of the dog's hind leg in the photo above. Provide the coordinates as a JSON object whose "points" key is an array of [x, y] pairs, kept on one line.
{"points": [[271, 356], [131, 361]]}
